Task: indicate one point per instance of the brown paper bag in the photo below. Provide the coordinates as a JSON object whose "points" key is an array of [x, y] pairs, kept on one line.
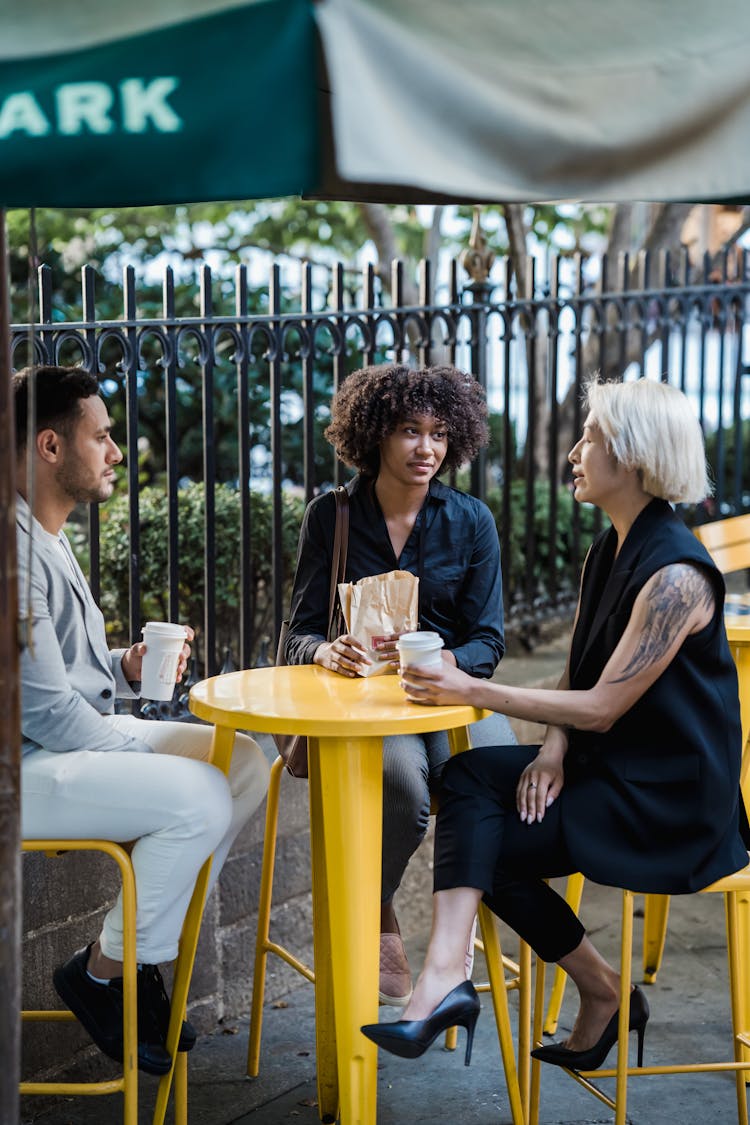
{"points": [[378, 608]]}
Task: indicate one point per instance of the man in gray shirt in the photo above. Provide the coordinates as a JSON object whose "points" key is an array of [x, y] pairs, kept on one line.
{"points": [[85, 771]]}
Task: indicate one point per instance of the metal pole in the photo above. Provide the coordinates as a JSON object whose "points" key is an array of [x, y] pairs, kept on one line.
{"points": [[480, 291], [10, 860], [477, 260]]}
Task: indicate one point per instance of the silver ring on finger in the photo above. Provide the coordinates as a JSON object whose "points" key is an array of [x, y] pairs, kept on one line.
{"points": [[532, 785]]}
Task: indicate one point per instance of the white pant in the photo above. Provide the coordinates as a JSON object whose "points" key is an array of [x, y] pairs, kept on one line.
{"points": [[176, 806]]}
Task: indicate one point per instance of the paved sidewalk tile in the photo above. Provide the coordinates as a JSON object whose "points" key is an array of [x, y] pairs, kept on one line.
{"points": [[690, 1014]]}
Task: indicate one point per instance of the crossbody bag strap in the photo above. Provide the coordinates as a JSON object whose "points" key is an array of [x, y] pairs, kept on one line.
{"points": [[340, 546]]}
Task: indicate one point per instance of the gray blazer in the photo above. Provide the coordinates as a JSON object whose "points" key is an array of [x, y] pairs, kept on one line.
{"points": [[69, 678]]}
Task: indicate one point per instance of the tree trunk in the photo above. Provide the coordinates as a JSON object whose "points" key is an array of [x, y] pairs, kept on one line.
{"points": [[666, 226], [380, 229], [605, 351], [537, 357], [10, 867], [620, 231], [432, 238], [517, 243]]}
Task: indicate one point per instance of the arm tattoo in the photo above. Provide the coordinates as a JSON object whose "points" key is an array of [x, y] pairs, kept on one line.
{"points": [[678, 589]]}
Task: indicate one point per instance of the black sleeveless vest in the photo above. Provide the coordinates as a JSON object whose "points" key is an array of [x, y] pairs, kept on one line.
{"points": [[653, 804]]}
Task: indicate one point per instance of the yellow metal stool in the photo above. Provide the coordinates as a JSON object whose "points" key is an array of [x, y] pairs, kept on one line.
{"points": [[221, 756], [656, 907], [127, 1083], [497, 965], [655, 915], [736, 891]]}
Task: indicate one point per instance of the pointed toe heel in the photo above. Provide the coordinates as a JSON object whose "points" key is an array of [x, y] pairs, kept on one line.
{"points": [[593, 1057], [410, 1038]]}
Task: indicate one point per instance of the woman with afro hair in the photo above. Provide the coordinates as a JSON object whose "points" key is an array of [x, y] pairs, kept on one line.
{"points": [[400, 428]]}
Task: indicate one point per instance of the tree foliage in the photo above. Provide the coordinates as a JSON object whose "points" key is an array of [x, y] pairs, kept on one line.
{"points": [[227, 233]]}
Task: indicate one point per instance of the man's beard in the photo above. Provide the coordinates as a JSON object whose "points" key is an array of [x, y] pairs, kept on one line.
{"points": [[84, 491]]}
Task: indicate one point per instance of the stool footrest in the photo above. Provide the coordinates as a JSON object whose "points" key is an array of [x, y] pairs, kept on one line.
{"points": [[63, 1014], [114, 1086], [584, 1078], [675, 1068], [294, 962]]}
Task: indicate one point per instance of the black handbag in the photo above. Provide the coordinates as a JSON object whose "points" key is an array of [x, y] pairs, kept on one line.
{"points": [[293, 747]]}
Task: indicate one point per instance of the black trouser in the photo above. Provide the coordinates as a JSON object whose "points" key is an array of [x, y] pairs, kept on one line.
{"points": [[480, 841]]}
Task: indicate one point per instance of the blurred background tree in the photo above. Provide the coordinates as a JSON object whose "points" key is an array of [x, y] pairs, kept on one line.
{"points": [[320, 232]]}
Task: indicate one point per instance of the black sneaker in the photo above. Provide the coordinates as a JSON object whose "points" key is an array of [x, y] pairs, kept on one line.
{"points": [[151, 992], [99, 1008]]}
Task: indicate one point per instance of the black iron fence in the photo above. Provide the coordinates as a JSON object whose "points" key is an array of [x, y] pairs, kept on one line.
{"points": [[221, 415]]}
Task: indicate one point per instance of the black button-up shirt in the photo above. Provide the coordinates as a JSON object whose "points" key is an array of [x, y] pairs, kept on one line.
{"points": [[460, 587]]}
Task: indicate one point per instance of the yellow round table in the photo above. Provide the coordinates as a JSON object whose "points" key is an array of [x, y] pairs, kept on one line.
{"points": [[345, 720]]}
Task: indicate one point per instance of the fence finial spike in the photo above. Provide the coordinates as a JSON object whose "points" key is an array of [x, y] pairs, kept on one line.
{"points": [[477, 259]]}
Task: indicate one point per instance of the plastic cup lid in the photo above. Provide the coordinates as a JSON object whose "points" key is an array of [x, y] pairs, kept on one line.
{"points": [[165, 628], [420, 639]]}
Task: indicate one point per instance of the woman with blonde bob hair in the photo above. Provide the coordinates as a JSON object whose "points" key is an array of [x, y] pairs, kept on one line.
{"points": [[636, 783], [651, 427]]}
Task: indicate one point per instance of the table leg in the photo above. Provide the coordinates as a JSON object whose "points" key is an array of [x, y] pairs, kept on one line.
{"points": [[325, 1029], [459, 740], [346, 817]]}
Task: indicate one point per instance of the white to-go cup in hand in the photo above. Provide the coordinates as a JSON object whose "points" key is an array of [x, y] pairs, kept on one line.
{"points": [[421, 648], [164, 641]]}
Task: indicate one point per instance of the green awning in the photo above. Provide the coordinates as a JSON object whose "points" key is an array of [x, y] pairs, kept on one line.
{"points": [[215, 106]]}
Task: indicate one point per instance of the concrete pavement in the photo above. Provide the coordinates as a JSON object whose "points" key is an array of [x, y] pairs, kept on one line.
{"points": [[690, 1016]]}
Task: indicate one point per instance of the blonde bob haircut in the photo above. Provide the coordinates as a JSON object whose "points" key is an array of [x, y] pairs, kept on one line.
{"points": [[651, 427]]}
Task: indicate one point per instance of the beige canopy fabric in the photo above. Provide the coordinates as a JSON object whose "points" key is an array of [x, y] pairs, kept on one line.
{"points": [[475, 100], [531, 100]]}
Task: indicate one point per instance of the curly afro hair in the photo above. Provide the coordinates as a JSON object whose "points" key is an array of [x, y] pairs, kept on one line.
{"points": [[371, 402]]}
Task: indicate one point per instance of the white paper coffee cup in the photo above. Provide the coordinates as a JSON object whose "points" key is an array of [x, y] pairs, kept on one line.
{"points": [[422, 648], [164, 641]]}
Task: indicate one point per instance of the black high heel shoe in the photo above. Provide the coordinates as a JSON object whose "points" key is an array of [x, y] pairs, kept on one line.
{"points": [[593, 1057], [411, 1038]]}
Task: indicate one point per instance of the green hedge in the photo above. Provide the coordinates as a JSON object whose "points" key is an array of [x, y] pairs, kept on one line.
{"points": [[115, 549], [729, 483], [556, 558]]}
